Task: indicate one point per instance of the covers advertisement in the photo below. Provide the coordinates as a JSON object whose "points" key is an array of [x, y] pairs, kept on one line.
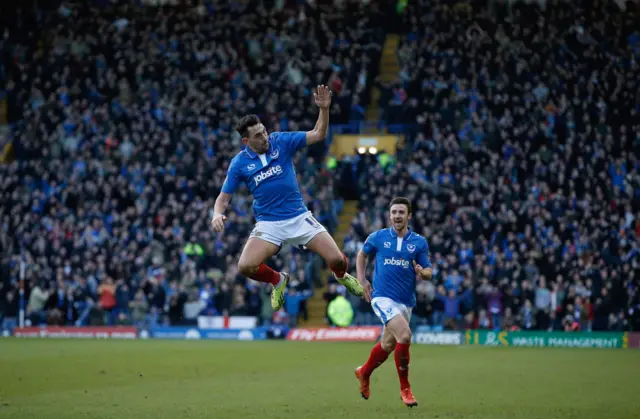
{"points": [[120, 332], [347, 334], [438, 338]]}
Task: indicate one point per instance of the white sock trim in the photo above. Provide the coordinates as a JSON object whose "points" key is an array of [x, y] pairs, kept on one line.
{"points": [[281, 281]]}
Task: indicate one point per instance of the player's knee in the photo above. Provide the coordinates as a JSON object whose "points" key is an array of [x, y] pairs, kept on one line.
{"points": [[388, 345], [247, 269], [404, 336]]}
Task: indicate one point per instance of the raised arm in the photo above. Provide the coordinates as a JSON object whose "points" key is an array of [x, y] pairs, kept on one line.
{"points": [[323, 100]]}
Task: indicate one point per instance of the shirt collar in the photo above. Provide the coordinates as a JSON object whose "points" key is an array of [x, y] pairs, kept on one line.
{"points": [[253, 155], [395, 235], [250, 152]]}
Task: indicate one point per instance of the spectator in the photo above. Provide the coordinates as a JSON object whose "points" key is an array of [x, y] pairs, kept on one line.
{"points": [[483, 320], [191, 305], [528, 316], [238, 308], [509, 320], [543, 298], [139, 309], [9, 308], [57, 304], [176, 309], [494, 304], [107, 300], [36, 306], [451, 303]]}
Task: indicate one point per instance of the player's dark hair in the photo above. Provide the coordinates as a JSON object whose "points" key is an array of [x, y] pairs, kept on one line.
{"points": [[403, 201], [245, 123]]}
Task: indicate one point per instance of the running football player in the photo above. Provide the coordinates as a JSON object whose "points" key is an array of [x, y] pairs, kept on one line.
{"points": [[400, 256]]}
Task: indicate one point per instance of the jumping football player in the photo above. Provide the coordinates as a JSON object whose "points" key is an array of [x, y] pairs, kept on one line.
{"points": [[400, 256], [265, 165]]}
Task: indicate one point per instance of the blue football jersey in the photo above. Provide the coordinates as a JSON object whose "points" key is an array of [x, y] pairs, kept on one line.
{"points": [[394, 276], [270, 177]]}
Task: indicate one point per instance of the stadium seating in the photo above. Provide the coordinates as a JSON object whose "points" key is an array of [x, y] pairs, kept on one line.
{"points": [[522, 134], [524, 176], [122, 130]]}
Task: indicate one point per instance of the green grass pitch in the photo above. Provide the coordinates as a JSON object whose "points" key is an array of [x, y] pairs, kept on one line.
{"points": [[212, 379]]}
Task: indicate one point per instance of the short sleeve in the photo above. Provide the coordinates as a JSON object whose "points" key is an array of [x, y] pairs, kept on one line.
{"points": [[369, 247], [232, 181], [422, 258], [291, 142]]}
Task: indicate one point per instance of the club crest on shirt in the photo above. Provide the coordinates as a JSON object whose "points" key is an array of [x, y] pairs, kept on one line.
{"points": [[387, 245], [411, 248], [274, 154]]}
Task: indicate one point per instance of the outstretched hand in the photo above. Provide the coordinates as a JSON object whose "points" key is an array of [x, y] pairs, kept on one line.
{"points": [[323, 97]]}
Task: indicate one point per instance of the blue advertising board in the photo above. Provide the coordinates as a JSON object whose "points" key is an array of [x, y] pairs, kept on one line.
{"points": [[193, 333]]}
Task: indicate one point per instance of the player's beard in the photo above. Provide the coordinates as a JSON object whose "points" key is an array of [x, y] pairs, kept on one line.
{"points": [[260, 147], [399, 225]]}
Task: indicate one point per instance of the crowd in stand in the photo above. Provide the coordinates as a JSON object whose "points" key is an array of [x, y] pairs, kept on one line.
{"points": [[525, 174], [122, 130]]}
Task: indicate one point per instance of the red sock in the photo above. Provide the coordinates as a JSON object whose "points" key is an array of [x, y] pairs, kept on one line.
{"points": [[340, 272], [376, 358], [266, 274], [402, 364]]}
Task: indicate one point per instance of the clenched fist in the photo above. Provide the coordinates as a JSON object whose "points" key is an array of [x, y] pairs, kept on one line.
{"points": [[217, 222]]}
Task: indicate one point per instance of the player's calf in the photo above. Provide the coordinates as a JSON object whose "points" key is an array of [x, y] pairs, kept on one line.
{"points": [[338, 265], [251, 263], [260, 273], [399, 327], [402, 358], [263, 273], [324, 245], [377, 357]]}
